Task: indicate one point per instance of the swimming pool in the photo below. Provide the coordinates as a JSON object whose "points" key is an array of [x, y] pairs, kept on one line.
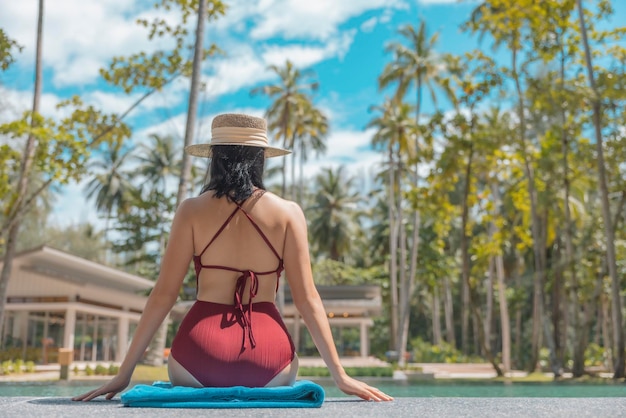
{"points": [[433, 388]]}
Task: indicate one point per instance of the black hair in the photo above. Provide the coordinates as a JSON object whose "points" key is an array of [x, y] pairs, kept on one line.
{"points": [[235, 171]]}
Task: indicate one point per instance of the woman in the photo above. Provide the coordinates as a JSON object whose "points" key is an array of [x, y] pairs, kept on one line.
{"points": [[240, 238]]}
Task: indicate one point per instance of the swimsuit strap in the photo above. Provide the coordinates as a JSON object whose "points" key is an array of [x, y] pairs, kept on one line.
{"points": [[219, 231], [259, 230]]}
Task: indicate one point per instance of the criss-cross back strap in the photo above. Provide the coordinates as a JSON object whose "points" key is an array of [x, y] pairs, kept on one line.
{"points": [[259, 230], [219, 231]]}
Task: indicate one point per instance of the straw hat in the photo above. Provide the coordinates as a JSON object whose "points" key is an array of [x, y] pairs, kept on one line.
{"points": [[237, 129]]}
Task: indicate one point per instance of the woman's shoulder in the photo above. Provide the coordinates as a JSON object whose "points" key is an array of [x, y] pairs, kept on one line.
{"points": [[288, 209], [280, 203]]}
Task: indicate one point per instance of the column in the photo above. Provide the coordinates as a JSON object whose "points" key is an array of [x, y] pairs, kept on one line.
{"points": [[122, 339], [94, 343], [365, 349], [70, 328]]}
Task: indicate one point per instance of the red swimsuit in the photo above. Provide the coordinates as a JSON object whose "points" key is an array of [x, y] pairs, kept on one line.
{"points": [[211, 340]]}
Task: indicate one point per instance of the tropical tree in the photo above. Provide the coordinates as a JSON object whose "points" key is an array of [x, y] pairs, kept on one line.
{"points": [[333, 215], [395, 132], [55, 150], [110, 186], [509, 29], [159, 160], [413, 66], [291, 106], [7, 47], [619, 362], [311, 127]]}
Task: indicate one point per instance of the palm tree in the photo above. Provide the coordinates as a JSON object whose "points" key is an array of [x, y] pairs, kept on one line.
{"points": [[333, 221], [290, 97], [312, 128], [111, 186], [25, 169], [159, 161], [414, 65], [394, 131], [192, 107], [619, 363]]}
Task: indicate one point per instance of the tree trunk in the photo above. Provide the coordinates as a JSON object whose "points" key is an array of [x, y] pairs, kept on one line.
{"points": [[448, 310], [616, 302], [505, 323], [488, 322], [436, 316], [403, 298], [23, 179], [192, 108], [538, 281], [465, 265], [393, 250]]}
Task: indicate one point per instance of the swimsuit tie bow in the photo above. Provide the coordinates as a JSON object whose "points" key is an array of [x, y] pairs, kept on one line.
{"points": [[246, 317]]}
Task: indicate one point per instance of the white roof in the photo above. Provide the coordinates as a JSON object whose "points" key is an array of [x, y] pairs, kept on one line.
{"points": [[73, 269]]}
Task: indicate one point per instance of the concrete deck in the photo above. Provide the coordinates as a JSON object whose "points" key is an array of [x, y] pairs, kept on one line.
{"points": [[335, 407]]}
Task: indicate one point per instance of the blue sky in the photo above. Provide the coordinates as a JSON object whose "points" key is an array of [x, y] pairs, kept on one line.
{"points": [[342, 42]]}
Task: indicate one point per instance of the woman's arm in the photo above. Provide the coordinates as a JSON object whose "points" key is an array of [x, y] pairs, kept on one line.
{"points": [[174, 267], [309, 304]]}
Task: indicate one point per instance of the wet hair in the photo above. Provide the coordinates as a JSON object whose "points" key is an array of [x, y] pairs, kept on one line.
{"points": [[235, 171]]}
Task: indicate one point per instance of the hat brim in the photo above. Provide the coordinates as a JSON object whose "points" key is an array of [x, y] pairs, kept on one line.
{"points": [[204, 150]]}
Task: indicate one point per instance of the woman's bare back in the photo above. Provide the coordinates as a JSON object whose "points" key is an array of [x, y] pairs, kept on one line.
{"points": [[239, 245]]}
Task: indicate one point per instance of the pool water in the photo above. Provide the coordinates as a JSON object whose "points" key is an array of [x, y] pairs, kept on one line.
{"points": [[436, 388], [493, 389]]}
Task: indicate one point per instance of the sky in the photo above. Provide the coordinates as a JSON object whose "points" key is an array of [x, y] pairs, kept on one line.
{"points": [[341, 42]]}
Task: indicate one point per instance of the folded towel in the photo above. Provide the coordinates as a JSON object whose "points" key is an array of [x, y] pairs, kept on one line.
{"points": [[303, 394]]}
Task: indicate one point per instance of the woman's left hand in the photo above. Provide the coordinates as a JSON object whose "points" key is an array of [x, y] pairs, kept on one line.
{"points": [[110, 389]]}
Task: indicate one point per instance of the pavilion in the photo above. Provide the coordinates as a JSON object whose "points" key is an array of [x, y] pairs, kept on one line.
{"points": [[59, 300]]}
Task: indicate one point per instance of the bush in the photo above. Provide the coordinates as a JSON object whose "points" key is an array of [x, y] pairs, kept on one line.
{"points": [[18, 366], [101, 370], [113, 370], [352, 371], [89, 371], [424, 352], [6, 367], [31, 354], [595, 355], [30, 367]]}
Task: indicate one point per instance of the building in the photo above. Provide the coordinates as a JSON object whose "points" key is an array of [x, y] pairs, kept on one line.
{"points": [[58, 300], [55, 299]]}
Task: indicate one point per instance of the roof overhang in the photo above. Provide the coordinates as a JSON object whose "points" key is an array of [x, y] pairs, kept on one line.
{"points": [[70, 268]]}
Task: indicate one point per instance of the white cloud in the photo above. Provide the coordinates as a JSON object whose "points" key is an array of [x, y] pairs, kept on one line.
{"points": [[369, 24], [346, 148], [428, 2], [79, 36], [308, 19], [14, 103]]}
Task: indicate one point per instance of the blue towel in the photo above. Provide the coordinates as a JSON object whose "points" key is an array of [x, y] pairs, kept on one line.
{"points": [[303, 394]]}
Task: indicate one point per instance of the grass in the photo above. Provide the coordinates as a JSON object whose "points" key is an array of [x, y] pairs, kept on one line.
{"points": [[144, 373]]}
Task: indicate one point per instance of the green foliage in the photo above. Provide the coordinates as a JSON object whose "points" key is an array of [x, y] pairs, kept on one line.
{"points": [[13, 353], [8, 47], [352, 371], [89, 371], [100, 370], [424, 352], [113, 370], [331, 272], [62, 149], [29, 367], [154, 70]]}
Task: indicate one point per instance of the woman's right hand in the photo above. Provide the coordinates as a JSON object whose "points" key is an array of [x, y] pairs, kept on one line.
{"points": [[355, 387], [110, 389]]}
